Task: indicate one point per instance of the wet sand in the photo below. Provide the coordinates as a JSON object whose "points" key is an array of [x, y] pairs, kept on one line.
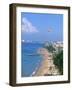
{"points": [[47, 67]]}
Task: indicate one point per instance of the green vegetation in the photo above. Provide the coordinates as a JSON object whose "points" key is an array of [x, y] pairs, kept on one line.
{"points": [[50, 48], [58, 61], [57, 57]]}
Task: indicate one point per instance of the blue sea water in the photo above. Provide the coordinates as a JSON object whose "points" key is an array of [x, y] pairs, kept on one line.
{"points": [[30, 59]]}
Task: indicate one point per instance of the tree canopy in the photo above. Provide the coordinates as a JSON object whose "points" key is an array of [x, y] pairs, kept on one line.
{"points": [[58, 61]]}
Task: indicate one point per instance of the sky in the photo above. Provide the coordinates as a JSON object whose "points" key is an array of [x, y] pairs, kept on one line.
{"points": [[41, 27]]}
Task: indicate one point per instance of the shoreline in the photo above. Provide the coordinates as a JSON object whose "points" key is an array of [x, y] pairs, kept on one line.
{"points": [[47, 67]]}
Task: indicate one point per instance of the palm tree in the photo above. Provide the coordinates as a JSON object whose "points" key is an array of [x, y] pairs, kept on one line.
{"points": [[50, 48]]}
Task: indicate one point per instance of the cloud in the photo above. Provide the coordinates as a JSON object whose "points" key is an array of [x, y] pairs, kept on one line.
{"points": [[27, 26]]}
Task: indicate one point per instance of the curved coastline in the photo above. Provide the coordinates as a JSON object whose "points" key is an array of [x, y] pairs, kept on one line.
{"points": [[46, 67]]}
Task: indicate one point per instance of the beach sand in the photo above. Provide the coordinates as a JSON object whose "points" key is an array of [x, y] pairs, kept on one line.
{"points": [[47, 67]]}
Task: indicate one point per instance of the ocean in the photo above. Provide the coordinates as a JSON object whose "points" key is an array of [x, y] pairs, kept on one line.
{"points": [[30, 58]]}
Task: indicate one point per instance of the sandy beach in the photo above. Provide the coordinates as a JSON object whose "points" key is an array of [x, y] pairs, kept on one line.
{"points": [[47, 67]]}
